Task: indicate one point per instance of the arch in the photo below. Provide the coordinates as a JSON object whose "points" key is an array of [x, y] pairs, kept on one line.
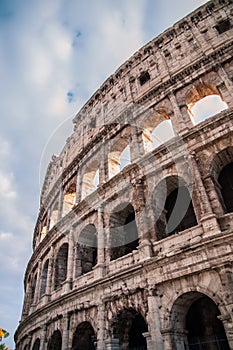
{"points": [[172, 207], [90, 178], [195, 324], [69, 198], [225, 180], [44, 275], [221, 171], [61, 266], [36, 345], [119, 156], [204, 101], [157, 129], [86, 250], [55, 341], [84, 337], [128, 327], [123, 231]]}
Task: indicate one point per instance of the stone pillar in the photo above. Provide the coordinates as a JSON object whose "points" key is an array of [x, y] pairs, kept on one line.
{"points": [[212, 190], [227, 81], [101, 327], [37, 290], [79, 187], [103, 165], [178, 122], [50, 274], [155, 342], [100, 243], [227, 321], [43, 338], [70, 261], [208, 218], [136, 144], [65, 333], [26, 305], [60, 204]]}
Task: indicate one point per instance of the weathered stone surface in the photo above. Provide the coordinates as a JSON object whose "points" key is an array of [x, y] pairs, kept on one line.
{"points": [[105, 259]]}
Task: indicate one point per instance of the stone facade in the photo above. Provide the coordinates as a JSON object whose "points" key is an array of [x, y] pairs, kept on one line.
{"points": [[137, 253]]}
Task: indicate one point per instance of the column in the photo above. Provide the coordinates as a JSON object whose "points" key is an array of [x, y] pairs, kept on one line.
{"points": [[99, 269], [101, 327], [65, 333], [70, 262], [43, 337], [50, 274], [207, 217], [136, 144], [78, 187], [37, 290], [227, 81], [141, 219], [103, 165], [212, 189], [155, 342], [60, 204], [178, 122]]}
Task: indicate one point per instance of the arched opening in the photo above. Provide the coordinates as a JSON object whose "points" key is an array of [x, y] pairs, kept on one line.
{"points": [[123, 231], [205, 330], [128, 327], [179, 211], [204, 101], [44, 275], [221, 171], [225, 180], [55, 341], [54, 216], [157, 129], [36, 345], [86, 250], [84, 337], [119, 156], [172, 206], [90, 179], [196, 325], [162, 133], [69, 198], [61, 266]]}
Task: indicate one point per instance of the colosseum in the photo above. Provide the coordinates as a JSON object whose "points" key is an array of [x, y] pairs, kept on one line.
{"points": [[132, 248]]}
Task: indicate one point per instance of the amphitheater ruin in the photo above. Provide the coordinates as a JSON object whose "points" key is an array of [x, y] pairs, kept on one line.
{"points": [[132, 248]]}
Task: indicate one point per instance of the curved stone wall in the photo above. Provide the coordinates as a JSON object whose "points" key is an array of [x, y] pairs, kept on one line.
{"points": [[135, 224]]}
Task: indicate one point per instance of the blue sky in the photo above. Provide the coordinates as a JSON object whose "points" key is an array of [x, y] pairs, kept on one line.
{"points": [[53, 55]]}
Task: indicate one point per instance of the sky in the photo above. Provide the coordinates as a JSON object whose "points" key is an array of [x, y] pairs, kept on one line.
{"points": [[54, 54]]}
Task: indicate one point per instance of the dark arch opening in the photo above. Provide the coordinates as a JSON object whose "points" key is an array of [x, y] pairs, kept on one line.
{"points": [[55, 341], [61, 266], [180, 214], [128, 327], [225, 180], [123, 232], [205, 330], [44, 276], [86, 250], [36, 345], [84, 337]]}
